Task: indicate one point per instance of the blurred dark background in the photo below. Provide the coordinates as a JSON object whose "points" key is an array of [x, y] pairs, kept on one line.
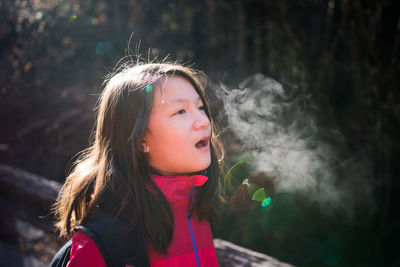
{"points": [[345, 54]]}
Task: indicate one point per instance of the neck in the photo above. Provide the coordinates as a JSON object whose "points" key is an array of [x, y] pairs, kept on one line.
{"points": [[164, 173]]}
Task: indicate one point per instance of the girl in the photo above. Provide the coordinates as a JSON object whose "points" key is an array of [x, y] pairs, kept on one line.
{"points": [[139, 195]]}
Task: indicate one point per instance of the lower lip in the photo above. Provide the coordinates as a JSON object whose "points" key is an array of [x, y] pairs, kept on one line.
{"points": [[204, 148]]}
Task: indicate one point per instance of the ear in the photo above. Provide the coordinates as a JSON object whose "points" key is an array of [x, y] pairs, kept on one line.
{"points": [[145, 147], [145, 143]]}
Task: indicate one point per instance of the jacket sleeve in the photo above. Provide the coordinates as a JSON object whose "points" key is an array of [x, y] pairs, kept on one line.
{"points": [[84, 252]]}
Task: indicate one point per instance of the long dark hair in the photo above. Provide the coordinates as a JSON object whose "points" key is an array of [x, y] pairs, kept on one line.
{"points": [[115, 161]]}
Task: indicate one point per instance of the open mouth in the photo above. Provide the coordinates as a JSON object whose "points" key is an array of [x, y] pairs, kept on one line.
{"points": [[203, 143]]}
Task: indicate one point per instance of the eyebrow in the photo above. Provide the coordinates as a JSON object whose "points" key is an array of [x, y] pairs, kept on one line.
{"points": [[180, 100]]}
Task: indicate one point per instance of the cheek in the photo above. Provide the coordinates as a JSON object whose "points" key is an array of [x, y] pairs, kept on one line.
{"points": [[175, 138], [169, 138]]}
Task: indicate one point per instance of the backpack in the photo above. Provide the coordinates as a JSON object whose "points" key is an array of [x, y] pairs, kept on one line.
{"points": [[119, 247], [62, 256]]}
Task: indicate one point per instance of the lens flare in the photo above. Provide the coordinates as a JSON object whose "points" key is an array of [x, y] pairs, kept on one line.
{"points": [[149, 88], [261, 197], [255, 184], [228, 174], [266, 202]]}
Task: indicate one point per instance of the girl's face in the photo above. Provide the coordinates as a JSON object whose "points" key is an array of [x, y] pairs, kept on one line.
{"points": [[178, 136]]}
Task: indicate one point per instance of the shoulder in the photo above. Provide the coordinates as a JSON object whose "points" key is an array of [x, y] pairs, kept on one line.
{"points": [[84, 252], [115, 239]]}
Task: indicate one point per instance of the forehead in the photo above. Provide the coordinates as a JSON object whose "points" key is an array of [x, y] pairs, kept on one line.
{"points": [[173, 90]]}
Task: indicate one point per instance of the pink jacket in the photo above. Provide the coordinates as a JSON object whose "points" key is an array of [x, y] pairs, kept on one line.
{"points": [[192, 243]]}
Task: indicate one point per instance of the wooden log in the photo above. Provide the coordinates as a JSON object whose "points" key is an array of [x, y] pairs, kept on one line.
{"points": [[229, 254], [28, 197], [29, 188]]}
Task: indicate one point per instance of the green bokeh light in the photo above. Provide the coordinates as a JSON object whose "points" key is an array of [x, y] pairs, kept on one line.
{"points": [[266, 202], [259, 195]]}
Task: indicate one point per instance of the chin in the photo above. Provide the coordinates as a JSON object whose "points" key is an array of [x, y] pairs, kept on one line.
{"points": [[203, 166]]}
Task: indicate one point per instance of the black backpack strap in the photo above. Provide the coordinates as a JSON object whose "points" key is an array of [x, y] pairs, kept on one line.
{"points": [[118, 246], [62, 256]]}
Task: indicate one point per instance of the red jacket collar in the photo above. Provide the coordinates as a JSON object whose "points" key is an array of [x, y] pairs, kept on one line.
{"points": [[178, 187]]}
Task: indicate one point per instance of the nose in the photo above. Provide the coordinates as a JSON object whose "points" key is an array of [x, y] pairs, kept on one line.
{"points": [[201, 121]]}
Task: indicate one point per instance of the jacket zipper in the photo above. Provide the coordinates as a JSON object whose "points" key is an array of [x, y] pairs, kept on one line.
{"points": [[188, 214]]}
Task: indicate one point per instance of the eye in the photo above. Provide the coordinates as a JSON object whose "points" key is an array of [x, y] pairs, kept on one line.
{"points": [[202, 107], [179, 112]]}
